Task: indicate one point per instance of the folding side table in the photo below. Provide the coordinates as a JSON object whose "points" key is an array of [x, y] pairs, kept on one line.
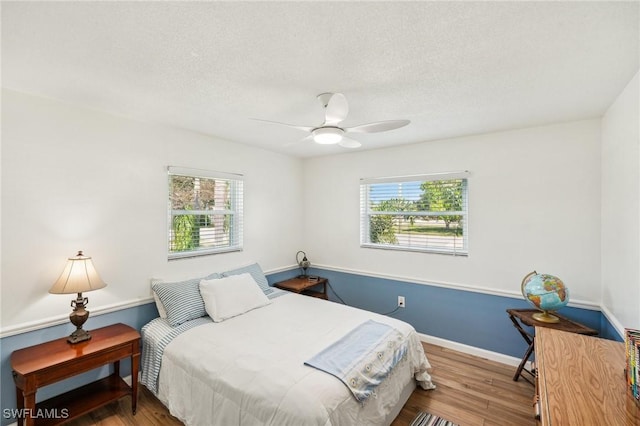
{"points": [[521, 317]]}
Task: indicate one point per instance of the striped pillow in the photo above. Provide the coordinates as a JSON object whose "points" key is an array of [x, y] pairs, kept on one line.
{"points": [[181, 300], [256, 272]]}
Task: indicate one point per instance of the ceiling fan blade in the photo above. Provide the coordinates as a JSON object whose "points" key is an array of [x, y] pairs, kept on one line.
{"points": [[308, 138], [379, 126], [349, 143], [294, 126], [336, 110]]}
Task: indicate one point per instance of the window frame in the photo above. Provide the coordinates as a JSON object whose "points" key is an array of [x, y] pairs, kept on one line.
{"points": [[235, 212], [366, 212]]}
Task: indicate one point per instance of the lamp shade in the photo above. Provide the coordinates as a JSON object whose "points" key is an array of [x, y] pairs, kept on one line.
{"points": [[79, 275]]}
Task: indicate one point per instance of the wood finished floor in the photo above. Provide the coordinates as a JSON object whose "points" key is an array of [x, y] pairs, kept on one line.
{"points": [[470, 391]]}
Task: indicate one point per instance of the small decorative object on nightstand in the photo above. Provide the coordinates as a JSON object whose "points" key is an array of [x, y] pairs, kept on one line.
{"points": [[303, 285], [303, 263], [78, 276]]}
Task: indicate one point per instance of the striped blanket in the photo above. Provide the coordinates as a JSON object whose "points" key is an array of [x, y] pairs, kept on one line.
{"points": [[156, 335]]}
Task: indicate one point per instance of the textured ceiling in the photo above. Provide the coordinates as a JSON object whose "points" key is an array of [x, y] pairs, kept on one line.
{"points": [[452, 68]]}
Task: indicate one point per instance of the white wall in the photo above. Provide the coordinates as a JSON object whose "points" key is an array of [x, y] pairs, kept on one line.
{"points": [[79, 179], [621, 207], [75, 179], [534, 203]]}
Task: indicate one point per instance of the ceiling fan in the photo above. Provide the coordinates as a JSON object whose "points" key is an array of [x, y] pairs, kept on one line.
{"points": [[330, 133]]}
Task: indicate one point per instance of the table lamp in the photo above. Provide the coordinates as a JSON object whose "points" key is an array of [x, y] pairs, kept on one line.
{"points": [[304, 264], [79, 276]]}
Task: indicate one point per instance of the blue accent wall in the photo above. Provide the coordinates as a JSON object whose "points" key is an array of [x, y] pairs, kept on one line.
{"points": [[608, 331], [473, 319], [135, 317], [466, 317]]}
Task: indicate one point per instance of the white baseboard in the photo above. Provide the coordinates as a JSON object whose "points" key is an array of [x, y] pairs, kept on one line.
{"points": [[613, 320], [472, 350]]}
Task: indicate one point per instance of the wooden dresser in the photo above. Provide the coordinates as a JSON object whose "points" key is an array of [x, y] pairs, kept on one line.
{"points": [[581, 381]]}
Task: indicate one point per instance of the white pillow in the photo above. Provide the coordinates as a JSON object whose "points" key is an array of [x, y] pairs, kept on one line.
{"points": [[231, 296]]}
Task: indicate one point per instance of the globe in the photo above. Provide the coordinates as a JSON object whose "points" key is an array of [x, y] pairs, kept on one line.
{"points": [[545, 292]]}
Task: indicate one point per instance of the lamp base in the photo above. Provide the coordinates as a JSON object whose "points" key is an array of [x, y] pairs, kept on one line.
{"points": [[78, 317], [546, 317], [80, 335]]}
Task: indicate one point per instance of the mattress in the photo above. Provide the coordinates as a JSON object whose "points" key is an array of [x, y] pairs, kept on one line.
{"points": [[249, 370]]}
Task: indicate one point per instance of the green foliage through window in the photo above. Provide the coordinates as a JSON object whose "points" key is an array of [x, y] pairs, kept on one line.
{"points": [[205, 214], [424, 215]]}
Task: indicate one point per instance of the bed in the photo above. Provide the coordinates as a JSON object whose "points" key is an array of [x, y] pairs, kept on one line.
{"points": [[249, 369]]}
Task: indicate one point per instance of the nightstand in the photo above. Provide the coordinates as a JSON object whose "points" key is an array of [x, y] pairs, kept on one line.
{"points": [[50, 362], [303, 285]]}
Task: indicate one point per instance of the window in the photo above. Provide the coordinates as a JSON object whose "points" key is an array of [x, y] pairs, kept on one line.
{"points": [[416, 213], [205, 212]]}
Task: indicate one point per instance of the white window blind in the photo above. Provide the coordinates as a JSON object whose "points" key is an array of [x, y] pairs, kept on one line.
{"points": [[205, 212], [416, 213]]}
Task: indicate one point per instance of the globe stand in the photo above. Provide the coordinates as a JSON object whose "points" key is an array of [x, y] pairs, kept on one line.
{"points": [[545, 316]]}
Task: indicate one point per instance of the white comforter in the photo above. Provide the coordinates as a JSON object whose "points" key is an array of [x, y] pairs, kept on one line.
{"points": [[249, 370]]}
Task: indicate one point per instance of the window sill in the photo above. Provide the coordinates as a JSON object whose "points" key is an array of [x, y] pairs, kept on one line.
{"points": [[464, 253], [198, 253]]}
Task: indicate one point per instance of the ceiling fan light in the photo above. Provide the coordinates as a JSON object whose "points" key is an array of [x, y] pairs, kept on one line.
{"points": [[327, 135]]}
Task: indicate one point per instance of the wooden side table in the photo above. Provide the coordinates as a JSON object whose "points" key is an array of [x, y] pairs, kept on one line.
{"points": [[50, 362], [525, 316], [303, 285]]}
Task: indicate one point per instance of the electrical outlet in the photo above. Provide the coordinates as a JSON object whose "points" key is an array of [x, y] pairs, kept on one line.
{"points": [[401, 302]]}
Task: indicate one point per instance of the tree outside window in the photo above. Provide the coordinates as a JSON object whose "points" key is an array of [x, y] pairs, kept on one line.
{"points": [[205, 214], [422, 215]]}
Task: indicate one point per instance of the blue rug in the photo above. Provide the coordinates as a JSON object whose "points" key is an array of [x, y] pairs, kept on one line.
{"points": [[426, 419]]}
